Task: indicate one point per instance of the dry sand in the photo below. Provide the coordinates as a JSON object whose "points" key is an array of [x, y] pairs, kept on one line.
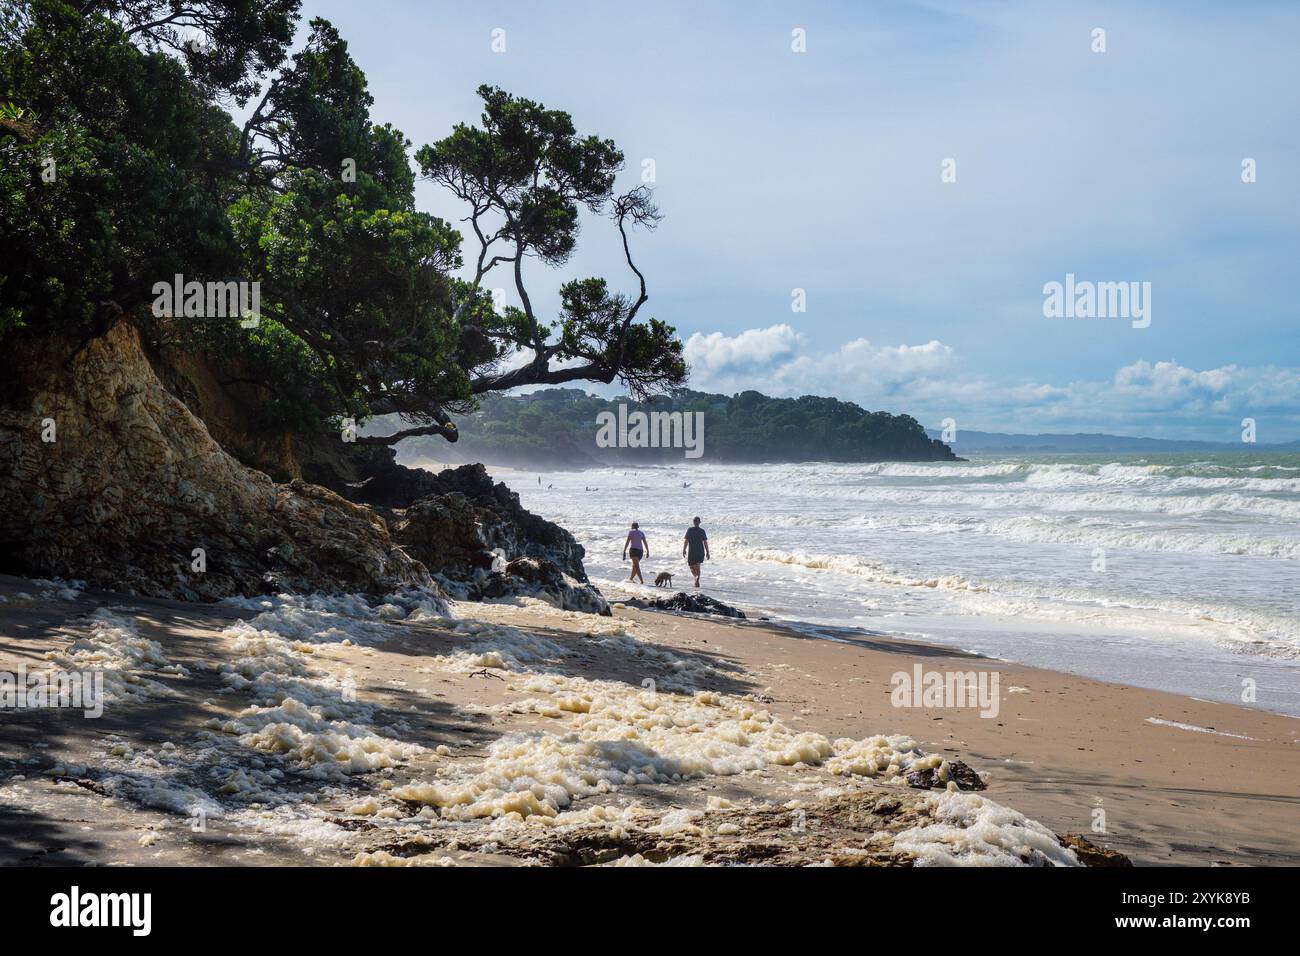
{"points": [[122, 788]]}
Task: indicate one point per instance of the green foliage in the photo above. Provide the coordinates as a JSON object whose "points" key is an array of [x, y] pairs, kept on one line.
{"points": [[280, 379], [529, 164], [525, 174], [327, 253], [98, 195], [226, 45], [120, 168]]}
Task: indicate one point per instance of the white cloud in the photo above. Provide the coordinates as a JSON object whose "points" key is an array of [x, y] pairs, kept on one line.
{"points": [[1160, 399], [1225, 390], [770, 359], [715, 352], [1168, 381], [885, 367]]}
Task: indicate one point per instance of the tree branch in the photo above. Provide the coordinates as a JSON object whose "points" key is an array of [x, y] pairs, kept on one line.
{"points": [[447, 430], [531, 374]]}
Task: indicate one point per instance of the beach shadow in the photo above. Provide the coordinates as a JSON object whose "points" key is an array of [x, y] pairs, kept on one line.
{"points": [[595, 657], [863, 638], [28, 837]]}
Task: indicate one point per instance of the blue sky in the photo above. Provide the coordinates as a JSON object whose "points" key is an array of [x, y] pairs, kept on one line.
{"points": [[820, 170]]}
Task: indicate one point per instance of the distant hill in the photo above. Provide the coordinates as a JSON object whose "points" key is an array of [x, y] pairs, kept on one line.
{"points": [[974, 442], [559, 428]]}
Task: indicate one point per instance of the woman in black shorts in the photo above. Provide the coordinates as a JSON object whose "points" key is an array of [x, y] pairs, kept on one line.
{"points": [[638, 546]]}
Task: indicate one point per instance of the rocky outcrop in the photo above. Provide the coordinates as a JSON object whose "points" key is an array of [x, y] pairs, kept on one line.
{"points": [[386, 484], [431, 513], [445, 533], [106, 476], [474, 535]]}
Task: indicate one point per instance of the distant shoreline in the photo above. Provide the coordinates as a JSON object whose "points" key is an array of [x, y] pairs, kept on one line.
{"points": [[976, 454], [1101, 443]]}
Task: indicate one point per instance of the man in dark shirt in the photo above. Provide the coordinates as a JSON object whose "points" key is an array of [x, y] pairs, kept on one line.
{"points": [[695, 549]]}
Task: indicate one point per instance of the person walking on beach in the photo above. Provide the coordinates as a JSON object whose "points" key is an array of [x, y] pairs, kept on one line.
{"points": [[639, 547], [695, 549]]}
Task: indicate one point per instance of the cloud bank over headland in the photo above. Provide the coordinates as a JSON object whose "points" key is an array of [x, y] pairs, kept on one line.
{"points": [[932, 382]]}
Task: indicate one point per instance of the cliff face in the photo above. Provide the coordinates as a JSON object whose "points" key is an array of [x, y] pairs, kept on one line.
{"points": [[106, 476]]}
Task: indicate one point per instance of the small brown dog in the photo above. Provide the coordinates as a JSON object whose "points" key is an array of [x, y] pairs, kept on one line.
{"points": [[663, 579]]}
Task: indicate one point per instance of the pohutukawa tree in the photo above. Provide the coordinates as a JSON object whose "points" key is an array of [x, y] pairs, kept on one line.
{"points": [[363, 312], [524, 175]]}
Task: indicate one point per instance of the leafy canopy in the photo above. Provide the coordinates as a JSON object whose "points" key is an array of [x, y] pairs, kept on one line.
{"points": [[362, 311]]}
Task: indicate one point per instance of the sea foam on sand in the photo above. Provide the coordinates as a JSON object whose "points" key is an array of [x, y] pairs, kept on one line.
{"points": [[311, 718], [970, 830], [128, 661], [301, 721]]}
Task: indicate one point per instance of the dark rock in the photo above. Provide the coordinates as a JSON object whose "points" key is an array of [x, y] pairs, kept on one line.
{"points": [[540, 578], [692, 604], [480, 542], [391, 485], [1090, 854], [440, 528], [963, 775], [446, 532]]}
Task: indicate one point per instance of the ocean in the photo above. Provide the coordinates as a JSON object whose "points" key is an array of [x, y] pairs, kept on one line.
{"points": [[1174, 572]]}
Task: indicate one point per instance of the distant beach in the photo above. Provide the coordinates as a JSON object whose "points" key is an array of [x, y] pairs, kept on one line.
{"points": [[1173, 572]]}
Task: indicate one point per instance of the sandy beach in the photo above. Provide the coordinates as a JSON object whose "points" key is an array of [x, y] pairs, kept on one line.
{"points": [[315, 733]]}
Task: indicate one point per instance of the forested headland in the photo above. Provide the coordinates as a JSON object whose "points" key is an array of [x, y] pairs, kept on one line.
{"points": [[559, 428]]}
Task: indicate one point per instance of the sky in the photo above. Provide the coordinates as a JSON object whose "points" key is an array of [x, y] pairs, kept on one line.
{"points": [[824, 171]]}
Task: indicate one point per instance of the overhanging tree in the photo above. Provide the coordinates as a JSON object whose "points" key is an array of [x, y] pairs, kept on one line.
{"points": [[361, 312], [524, 175]]}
